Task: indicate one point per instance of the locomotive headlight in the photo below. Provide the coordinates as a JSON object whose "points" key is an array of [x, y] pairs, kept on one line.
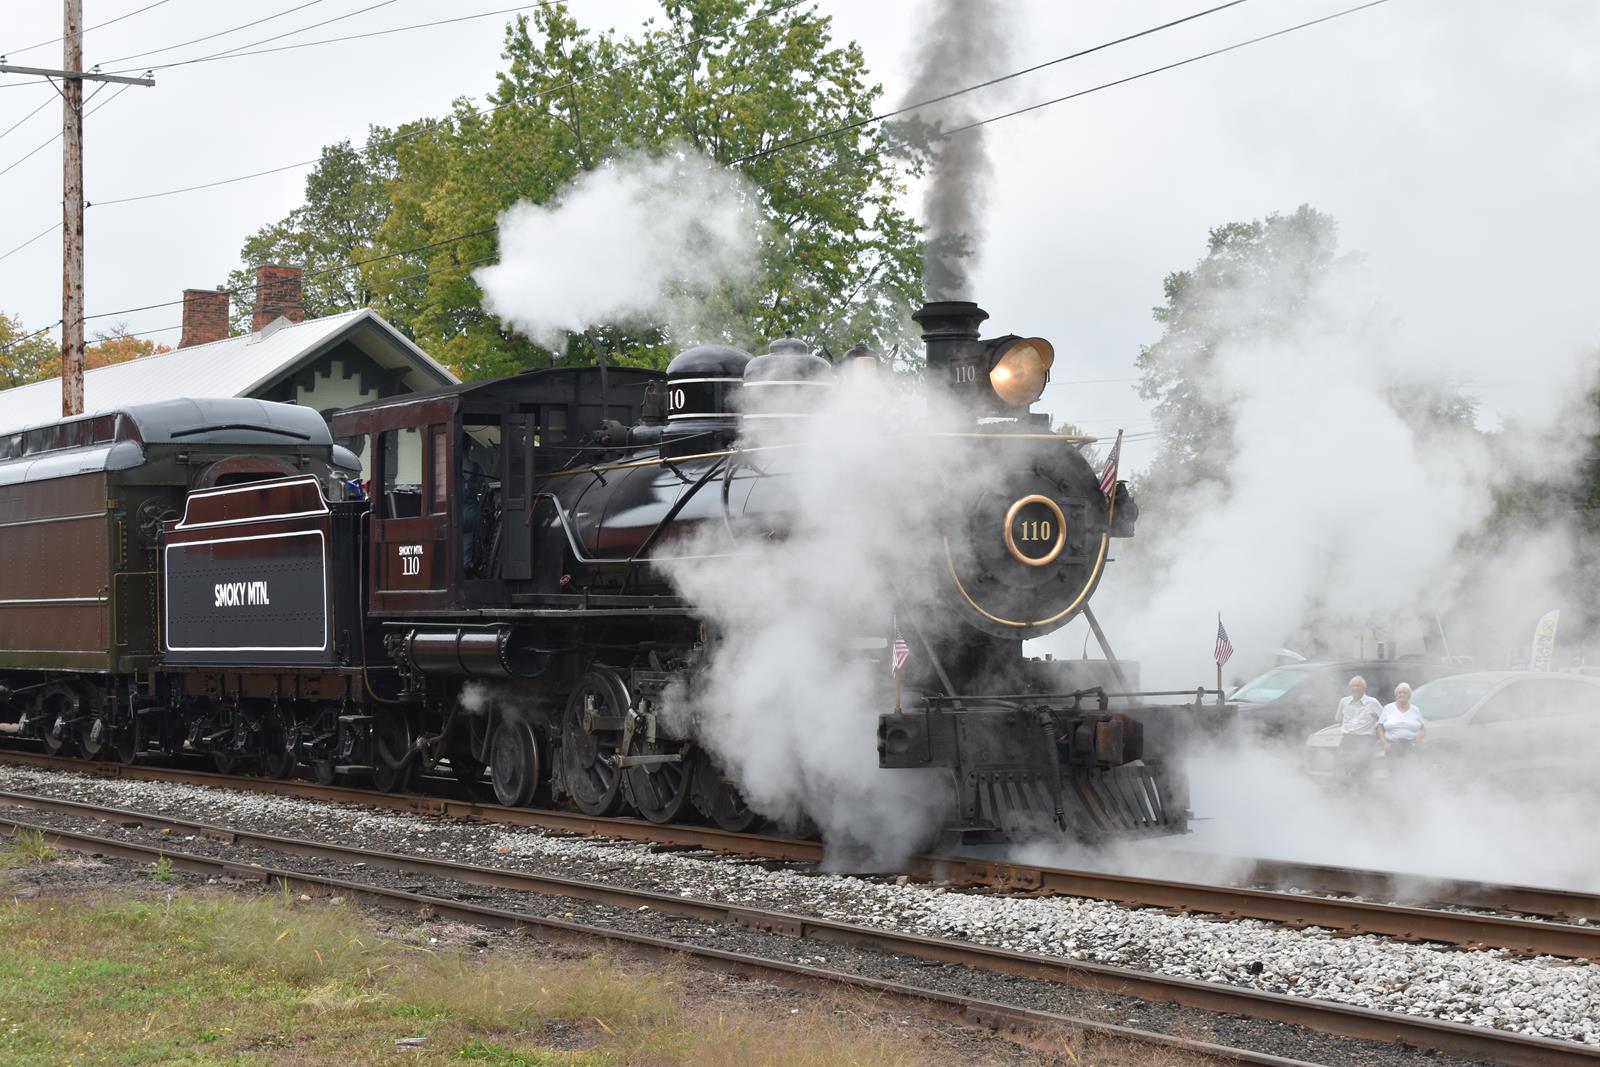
{"points": [[1018, 376]]}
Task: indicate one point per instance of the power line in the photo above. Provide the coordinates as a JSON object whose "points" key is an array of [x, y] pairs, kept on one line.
{"points": [[431, 126], [237, 53], [9, 345], [35, 151], [219, 33], [378, 287], [52, 228], [1166, 67], [881, 116], [812, 138], [279, 36], [86, 29], [325, 272], [46, 102]]}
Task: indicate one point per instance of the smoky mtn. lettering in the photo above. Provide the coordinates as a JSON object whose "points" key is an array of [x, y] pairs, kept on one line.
{"points": [[242, 594]]}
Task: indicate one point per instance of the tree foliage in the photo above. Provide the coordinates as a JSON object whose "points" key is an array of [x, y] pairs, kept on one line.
{"points": [[1263, 283], [38, 358], [1253, 282], [25, 359], [117, 345], [346, 201], [728, 77]]}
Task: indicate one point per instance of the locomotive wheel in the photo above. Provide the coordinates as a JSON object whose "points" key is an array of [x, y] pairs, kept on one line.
{"points": [[513, 763], [94, 733], [720, 800], [57, 707], [325, 771], [130, 740], [660, 791], [226, 760], [278, 758], [594, 784], [391, 741]]}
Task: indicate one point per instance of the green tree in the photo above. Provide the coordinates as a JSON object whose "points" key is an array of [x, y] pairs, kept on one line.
{"points": [[346, 201], [1259, 282], [728, 77], [1253, 282], [25, 359]]}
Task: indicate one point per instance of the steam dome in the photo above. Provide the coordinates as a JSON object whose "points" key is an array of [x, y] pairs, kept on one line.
{"points": [[787, 382]]}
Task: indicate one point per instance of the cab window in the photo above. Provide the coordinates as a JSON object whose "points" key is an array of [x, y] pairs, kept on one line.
{"points": [[400, 473], [439, 487]]}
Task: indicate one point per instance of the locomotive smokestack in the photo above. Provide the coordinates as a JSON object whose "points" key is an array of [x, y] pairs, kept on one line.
{"points": [[949, 329]]}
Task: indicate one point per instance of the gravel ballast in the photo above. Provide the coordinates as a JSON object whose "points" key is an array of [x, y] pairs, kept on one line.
{"points": [[1551, 998]]}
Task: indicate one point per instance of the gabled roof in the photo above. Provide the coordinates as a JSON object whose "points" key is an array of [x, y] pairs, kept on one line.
{"points": [[233, 366]]}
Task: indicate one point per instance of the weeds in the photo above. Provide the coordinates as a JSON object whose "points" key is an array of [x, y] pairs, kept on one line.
{"points": [[163, 871], [29, 846]]}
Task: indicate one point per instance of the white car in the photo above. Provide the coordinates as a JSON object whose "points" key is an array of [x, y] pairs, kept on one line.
{"points": [[1486, 723]]}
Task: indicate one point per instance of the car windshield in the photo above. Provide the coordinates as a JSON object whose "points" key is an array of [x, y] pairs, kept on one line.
{"points": [[1271, 686], [1448, 698]]}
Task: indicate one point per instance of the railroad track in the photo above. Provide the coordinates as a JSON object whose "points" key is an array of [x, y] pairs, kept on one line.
{"points": [[1299, 909], [1321, 1016]]}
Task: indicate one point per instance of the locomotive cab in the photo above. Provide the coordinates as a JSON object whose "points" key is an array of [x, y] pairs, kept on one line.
{"points": [[452, 476]]}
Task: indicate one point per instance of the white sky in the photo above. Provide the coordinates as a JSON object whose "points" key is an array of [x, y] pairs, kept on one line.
{"points": [[1455, 140]]}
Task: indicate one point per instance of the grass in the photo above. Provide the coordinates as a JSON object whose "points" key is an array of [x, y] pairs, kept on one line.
{"points": [[223, 979], [28, 847]]}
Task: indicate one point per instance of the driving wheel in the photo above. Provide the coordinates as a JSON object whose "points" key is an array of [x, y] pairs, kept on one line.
{"points": [[660, 791], [719, 800], [391, 743], [591, 734], [513, 763]]}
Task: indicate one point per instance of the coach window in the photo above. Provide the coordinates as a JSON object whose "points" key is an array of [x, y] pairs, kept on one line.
{"points": [[439, 484], [400, 473]]}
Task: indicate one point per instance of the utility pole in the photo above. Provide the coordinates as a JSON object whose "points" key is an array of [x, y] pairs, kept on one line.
{"points": [[72, 77]]}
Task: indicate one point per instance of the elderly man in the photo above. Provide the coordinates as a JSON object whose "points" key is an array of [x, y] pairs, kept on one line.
{"points": [[1358, 713]]}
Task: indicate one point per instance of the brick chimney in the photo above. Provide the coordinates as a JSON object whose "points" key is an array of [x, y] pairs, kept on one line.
{"points": [[277, 293], [205, 317]]}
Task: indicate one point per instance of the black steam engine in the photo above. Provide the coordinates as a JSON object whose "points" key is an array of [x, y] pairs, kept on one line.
{"points": [[497, 598]]}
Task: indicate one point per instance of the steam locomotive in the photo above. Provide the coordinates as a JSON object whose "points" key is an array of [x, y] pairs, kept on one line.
{"points": [[210, 577]]}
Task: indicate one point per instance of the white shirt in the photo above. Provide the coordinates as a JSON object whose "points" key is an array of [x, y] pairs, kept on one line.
{"points": [[1401, 725], [1359, 717]]}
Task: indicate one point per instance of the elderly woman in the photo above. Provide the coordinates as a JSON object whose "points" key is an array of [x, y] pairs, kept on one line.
{"points": [[1401, 723]]}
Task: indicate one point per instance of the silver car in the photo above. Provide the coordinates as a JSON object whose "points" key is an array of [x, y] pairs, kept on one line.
{"points": [[1484, 724]]}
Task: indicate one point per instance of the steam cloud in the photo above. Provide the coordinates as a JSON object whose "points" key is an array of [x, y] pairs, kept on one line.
{"points": [[1345, 512], [965, 41], [786, 706], [641, 240]]}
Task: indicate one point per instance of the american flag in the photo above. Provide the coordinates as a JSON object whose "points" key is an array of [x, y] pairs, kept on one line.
{"points": [[1224, 646], [902, 653], [1108, 480]]}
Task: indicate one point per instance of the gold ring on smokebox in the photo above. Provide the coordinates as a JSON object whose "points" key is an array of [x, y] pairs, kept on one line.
{"points": [[1061, 531]]}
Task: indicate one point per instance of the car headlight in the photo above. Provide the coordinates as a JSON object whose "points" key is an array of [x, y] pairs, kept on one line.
{"points": [[1019, 375]]}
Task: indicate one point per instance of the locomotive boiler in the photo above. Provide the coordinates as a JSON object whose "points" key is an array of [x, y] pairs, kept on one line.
{"points": [[498, 599]]}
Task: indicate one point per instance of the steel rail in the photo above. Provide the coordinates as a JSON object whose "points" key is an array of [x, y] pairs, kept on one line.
{"points": [[1323, 1016], [960, 1009], [1292, 909]]}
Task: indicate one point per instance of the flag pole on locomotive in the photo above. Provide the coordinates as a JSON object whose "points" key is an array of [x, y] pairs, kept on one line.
{"points": [[1223, 653], [900, 655]]}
